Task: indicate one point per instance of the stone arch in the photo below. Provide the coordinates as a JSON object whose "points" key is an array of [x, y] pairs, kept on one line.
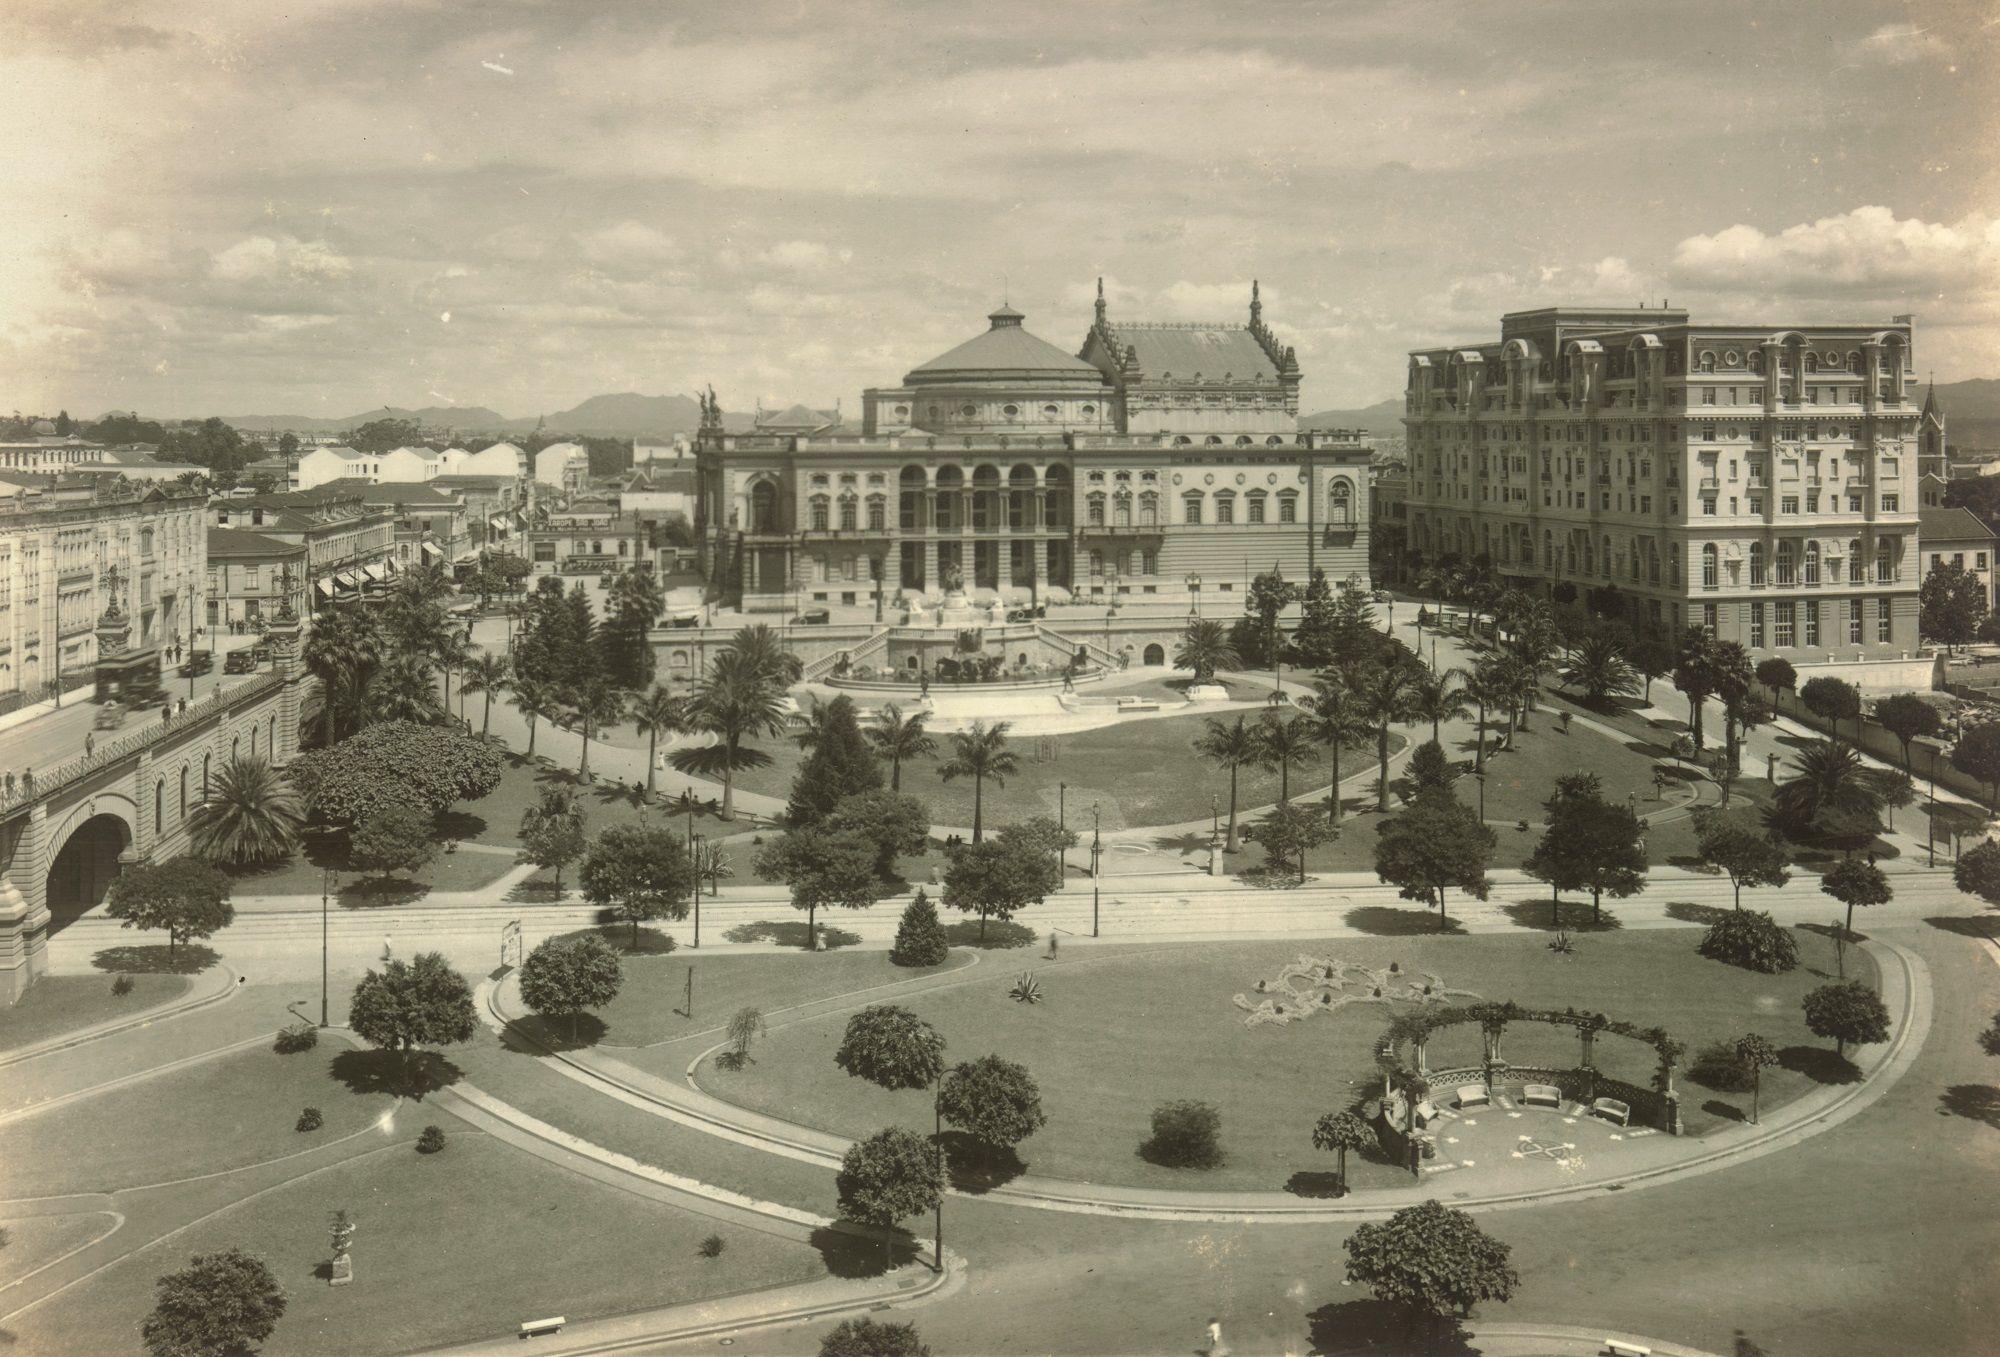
{"points": [[1155, 654], [89, 847], [764, 506]]}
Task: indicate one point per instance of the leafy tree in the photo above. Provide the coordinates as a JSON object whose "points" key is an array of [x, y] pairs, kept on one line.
{"points": [[744, 1027], [564, 976], [1599, 669], [249, 816], [638, 871], [824, 868], [624, 647], [1832, 700], [898, 738], [998, 878], [1907, 717], [488, 674], [407, 1004], [1748, 857], [1977, 871], [656, 712], [893, 824], [866, 1337], [1186, 1135], [211, 444], [920, 939], [1753, 1053], [981, 753], [393, 839], [385, 435], [1204, 648], [842, 764], [1951, 603], [1431, 1261], [1651, 658], [422, 767], [1316, 639], [1590, 845], [1847, 1012], [218, 1305], [891, 1047], [1751, 939], [1341, 1132], [1044, 836], [1856, 881], [891, 1175], [1270, 594], [1977, 753], [1232, 745], [185, 896], [1288, 832], [1778, 675], [1437, 842], [1430, 770], [738, 699], [994, 1101], [552, 832]]}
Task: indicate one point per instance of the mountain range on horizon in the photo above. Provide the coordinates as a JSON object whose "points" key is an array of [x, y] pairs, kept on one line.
{"points": [[1972, 409]]}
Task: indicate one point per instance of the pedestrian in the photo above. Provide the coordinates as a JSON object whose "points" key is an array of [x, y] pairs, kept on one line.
{"points": [[1216, 1347], [89, 744], [387, 949]]}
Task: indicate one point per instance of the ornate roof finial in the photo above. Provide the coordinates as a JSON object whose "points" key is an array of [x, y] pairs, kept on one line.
{"points": [[1100, 299], [1256, 305]]}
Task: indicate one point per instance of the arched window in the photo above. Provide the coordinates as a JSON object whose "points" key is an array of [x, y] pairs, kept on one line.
{"points": [[850, 513], [1340, 504], [818, 510], [160, 806], [878, 513], [235, 749], [1812, 563], [1121, 509], [1708, 571], [1785, 571], [184, 791], [1885, 561], [204, 777], [1756, 563], [764, 507], [1191, 507], [1212, 441], [1707, 360]]}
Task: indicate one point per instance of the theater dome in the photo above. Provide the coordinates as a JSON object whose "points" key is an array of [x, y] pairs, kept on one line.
{"points": [[1004, 353]]}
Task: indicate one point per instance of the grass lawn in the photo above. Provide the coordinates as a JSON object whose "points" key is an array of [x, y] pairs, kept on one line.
{"points": [[221, 1114], [453, 1246], [35, 1241], [1151, 1025], [1139, 772], [57, 1004]]}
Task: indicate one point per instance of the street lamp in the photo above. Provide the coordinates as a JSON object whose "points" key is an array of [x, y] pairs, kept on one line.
{"points": [[325, 893], [1062, 822], [1481, 775], [1096, 862], [694, 858], [1194, 594]]}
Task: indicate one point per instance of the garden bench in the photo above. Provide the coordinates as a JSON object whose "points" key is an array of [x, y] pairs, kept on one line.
{"points": [[1615, 1348], [1611, 1110], [1472, 1095], [536, 1328], [1541, 1095]]}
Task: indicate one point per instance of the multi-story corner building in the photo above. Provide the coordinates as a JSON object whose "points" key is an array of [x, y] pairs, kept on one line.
{"points": [[250, 577], [68, 552], [1161, 459], [1756, 481], [348, 544]]}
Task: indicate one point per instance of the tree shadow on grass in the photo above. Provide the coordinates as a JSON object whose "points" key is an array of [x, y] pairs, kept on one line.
{"points": [[855, 1251], [1573, 915], [618, 937], [1193, 842], [999, 934], [1715, 1107], [189, 958], [977, 1167], [382, 892], [1313, 1183], [1388, 922], [532, 892], [555, 1034], [1819, 1064], [1374, 1326], [400, 1074], [1976, 1102], [791, 933], [1707, 915], [1982, 927], [461, 824]]}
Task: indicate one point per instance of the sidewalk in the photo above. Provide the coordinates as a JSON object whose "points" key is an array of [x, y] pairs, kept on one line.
{"points": [[212, 986]]}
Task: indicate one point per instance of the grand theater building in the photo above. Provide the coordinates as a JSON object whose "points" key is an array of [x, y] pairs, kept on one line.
{"points": [[1160, 459]]}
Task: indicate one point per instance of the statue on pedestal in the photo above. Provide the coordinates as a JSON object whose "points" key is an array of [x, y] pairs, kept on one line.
{"points": [[343, 1234]]}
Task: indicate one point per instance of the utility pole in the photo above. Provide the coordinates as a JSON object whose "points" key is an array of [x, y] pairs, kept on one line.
{"points": [[694, 861], [1096, 862], [325, 891]]}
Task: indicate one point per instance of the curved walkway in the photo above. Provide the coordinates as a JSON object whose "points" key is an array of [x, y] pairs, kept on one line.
{"points": [[212, 986], [1905, 989]]}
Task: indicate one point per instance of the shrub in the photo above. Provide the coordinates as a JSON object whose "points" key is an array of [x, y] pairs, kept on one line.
{"points": [[300, 1036], [1026, 989], [1719, 1067], [711, 1246], [431, 1141], [310, 1120], [1750, 939], [872, 1338], [122, 986], [1186, 1135], [920, 939]]}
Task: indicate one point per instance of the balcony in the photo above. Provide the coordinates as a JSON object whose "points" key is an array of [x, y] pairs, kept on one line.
{"points": [[1122, 530], [1709, 483], [845, 534]]}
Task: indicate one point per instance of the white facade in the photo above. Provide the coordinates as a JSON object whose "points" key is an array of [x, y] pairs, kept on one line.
{"points": [[566, 466]]}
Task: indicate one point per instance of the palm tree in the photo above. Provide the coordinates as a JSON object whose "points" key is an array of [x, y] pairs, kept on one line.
{"points": [[343, 651], [656, 712], [760, 650], [1598, 669], [593, 708], [488, 674], [1331, 708], [1282, 741], [737, 699], [1231, 746], [980, 753], [1489, 686], [1204, 648], [452, 653], [536, 702], [251, 815], [1389, 695], [897, 737], [1832, 779], [1440, 698]]}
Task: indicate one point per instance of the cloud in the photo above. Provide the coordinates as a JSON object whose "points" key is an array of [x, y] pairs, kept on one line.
{"points": [[1229, 302], [629, 245], [804, 256], [1869, 251], [267, 259]]}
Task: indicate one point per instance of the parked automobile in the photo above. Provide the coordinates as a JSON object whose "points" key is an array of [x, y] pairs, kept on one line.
{"points": [[1028, 614], [239, 662], [198, 662], [816, 617], [110, 716]]}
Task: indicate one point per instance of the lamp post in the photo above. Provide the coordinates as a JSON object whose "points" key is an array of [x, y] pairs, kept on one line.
{"points": [[1062, 821], [694, 859], [1194, 595], [1481, 775], [325, 892], [1096, 863]]}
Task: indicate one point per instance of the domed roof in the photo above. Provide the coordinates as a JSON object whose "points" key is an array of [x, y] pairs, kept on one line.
{"points": [[1004, 350]]}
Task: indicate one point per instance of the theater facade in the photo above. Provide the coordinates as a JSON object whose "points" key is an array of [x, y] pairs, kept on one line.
{"points": [[1160, 459]]}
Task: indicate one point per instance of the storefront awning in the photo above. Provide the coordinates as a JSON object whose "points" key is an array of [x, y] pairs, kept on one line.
{"points": [[324, 586], [433, 549], [376, 572], [497, 521], [350, 579]]}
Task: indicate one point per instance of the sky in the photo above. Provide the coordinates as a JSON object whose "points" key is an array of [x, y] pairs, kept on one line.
{"points": [[320, 207]]}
